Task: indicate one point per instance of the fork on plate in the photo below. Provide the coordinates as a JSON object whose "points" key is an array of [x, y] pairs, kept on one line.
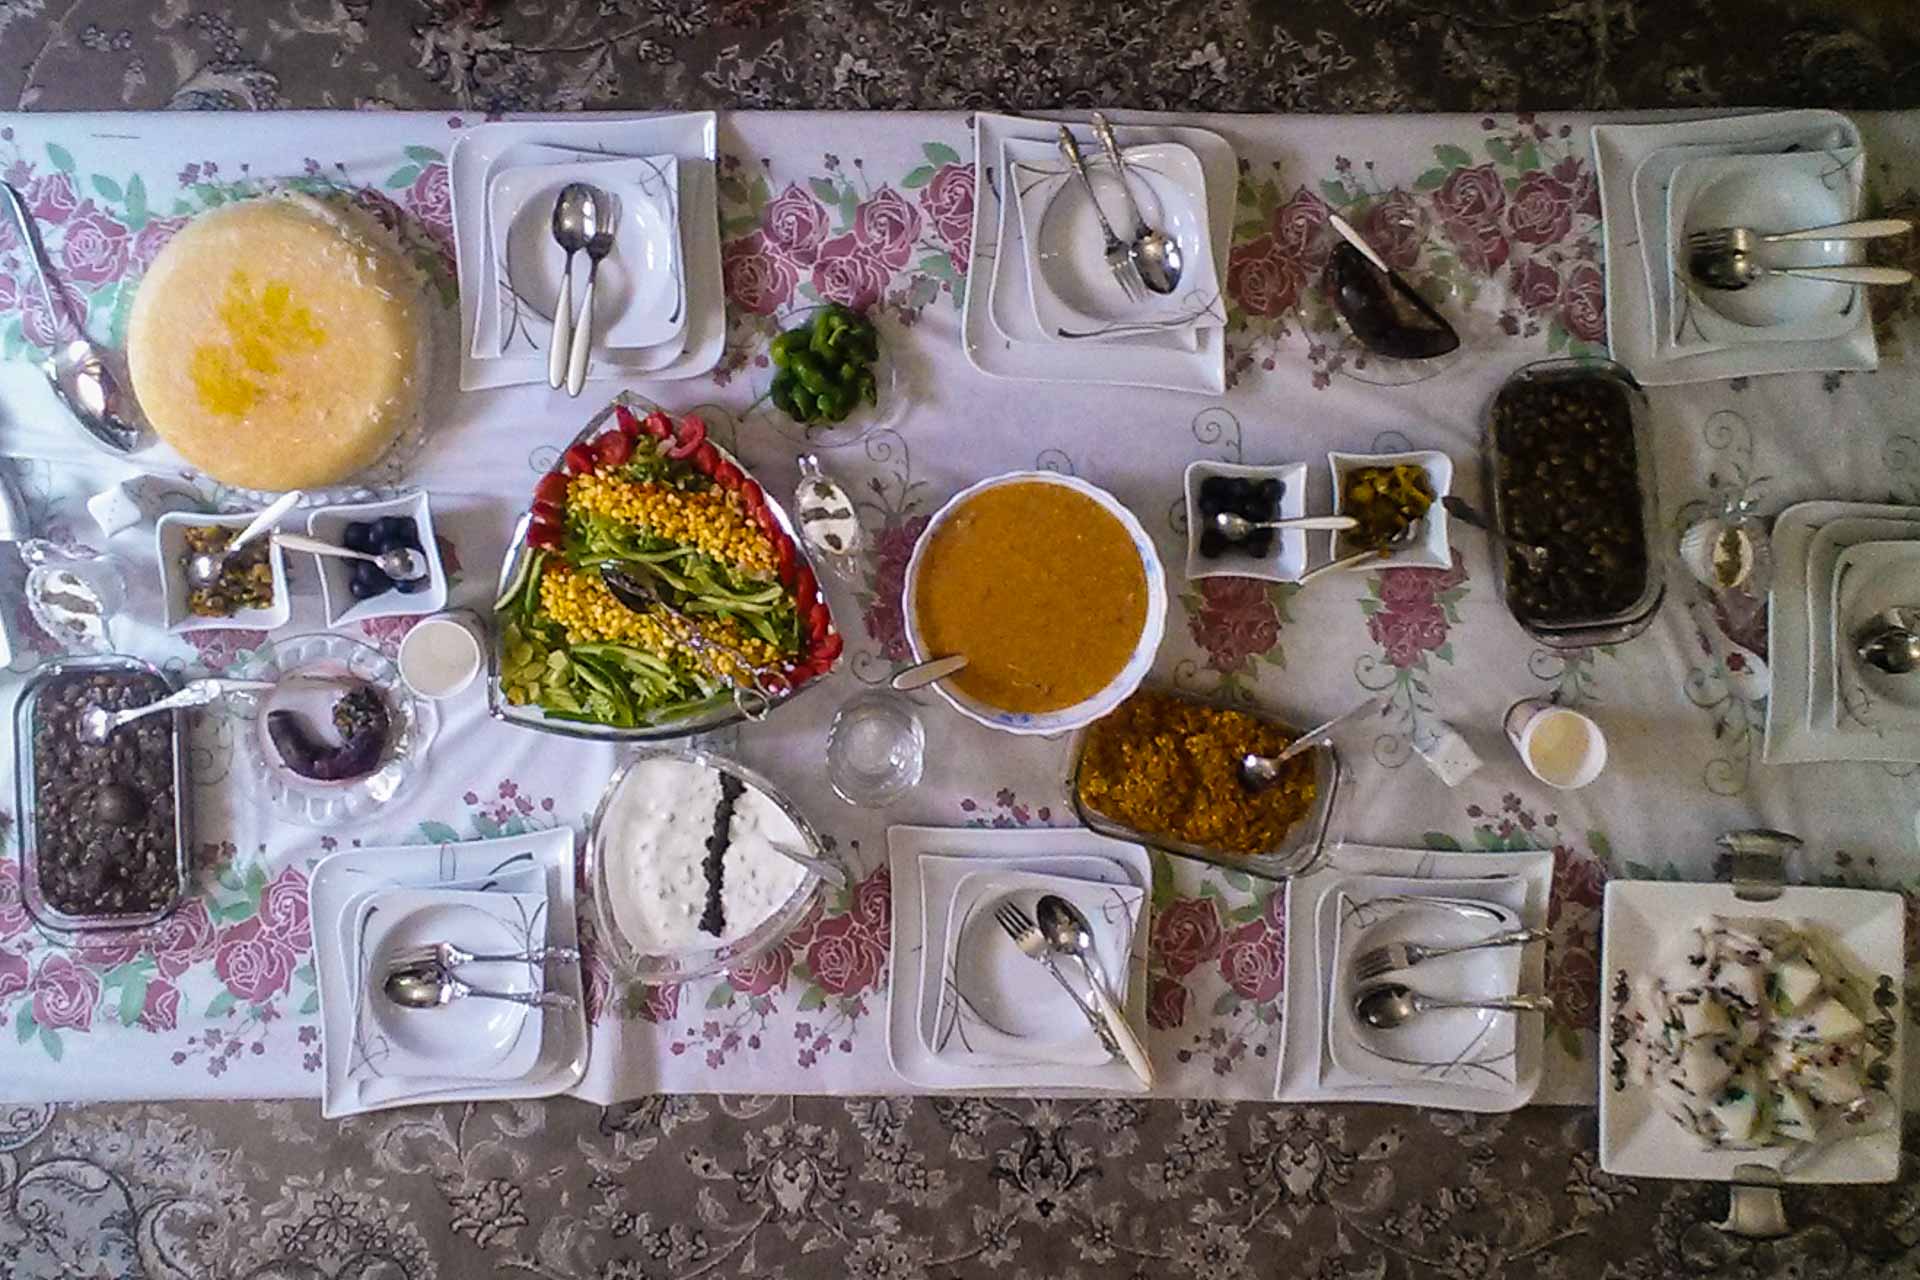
{"points": [[1109, 1024], [449, 956], [1126, 272], [1380, 961], [1723, 240]]}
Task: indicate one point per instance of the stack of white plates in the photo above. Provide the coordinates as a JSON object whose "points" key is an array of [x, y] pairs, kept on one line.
{"points": [[501, 897], [659, 301], [966, 1009], [1836, 565], [1783, 171], [1463, 1059], [1042, 303]]}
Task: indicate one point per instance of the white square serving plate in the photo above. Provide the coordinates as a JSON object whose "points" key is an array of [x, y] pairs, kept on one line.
{"points": [[1644, 921], [170, 538], [329, 524], [1433, 550], [1286, 560]]}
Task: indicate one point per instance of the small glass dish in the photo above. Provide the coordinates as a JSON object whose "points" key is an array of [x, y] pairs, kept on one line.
{"points": [[657, 969], [29, 800], [863, 421], [1301, 851], [876, 749], [330, 660], [1581, 632]]}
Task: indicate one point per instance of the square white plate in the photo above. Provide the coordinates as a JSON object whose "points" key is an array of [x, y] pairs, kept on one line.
{"points": [[1075, 295], [998, 1006], [1633, 236], [1472, 1047], [1868, 578], [170, 541], [1288, 558], [925, 863], [1642, 923], [692, 137], [1434, 550], [1137, 363], [498, 865], [1303, 1008], [329, 524]]}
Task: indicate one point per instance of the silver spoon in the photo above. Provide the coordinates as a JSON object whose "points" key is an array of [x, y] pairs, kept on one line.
{"points": [[1468, 514], [1237, 528], [82, 374], [1405, 538], [1891, 641], [1734, 271], [922, 674], [599, 245], [1156, 254], [402, 564], [576, 217], [1390, 1005], [428, 986], [95, 723], [204, 569], [1067, 934], [826, 868], [1257, 773]]}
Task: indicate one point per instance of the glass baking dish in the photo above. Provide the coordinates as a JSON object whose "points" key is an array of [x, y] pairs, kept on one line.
{"points": [[1298, 853], [1561, 632], [27, 794]]}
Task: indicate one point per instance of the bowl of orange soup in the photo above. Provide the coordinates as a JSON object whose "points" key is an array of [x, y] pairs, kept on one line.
{"points": [[1052, 590]]}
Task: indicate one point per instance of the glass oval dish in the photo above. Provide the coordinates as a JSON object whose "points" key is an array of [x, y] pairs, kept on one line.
{"points": [[1304, 847], [715, 713], [27, 795], [1599, 628], [316, 803], [645, 968], [863, 421]]}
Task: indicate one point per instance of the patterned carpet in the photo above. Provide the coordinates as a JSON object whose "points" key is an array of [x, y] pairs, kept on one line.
{"points": [[687, 1187]]}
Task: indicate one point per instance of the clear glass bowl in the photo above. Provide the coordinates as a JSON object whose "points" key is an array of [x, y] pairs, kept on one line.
{"points": [[27, 797], [1623, 624], [659, 968], [330, 804], [716, 713], [1300, 852], [889, 392]]}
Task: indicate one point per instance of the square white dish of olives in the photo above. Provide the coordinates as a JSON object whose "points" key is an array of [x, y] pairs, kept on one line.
{"points": [[1286, 557], [381, 525]]}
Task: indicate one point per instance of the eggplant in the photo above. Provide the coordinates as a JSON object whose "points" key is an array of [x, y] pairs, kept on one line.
{"points": [[360, 718], [1385, 313]]}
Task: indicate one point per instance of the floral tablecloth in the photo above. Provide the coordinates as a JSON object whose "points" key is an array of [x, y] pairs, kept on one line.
{"points": [[876, 211]]}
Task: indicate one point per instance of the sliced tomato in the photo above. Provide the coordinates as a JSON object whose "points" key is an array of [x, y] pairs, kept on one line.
{"points": [[768, 522], [551, 488], [753, 495], [705, 459], [819, 622], [549, 512], [828, 649], [689, 436], [541, 534], [658, 425], [612, 448], [579, 459], [806, 588], [726, 475], [629, 422], [783, 558]]}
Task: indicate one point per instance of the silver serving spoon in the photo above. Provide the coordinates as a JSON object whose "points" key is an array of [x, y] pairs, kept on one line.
{"points": [[1891, 641], [402, 564], [1068, 934], [826, 868], [599, 245], [1257, 773], [1390, 1005], [428, 986], [1405, 538], [83, 375], [1735, 271], [205, 567], [1237, 528], [922, 674], [1156, 254], [576, 218], [95, 723], [1468, 514]]}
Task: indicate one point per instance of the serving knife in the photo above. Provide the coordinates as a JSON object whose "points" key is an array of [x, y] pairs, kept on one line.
{"points": [[13, 529]]}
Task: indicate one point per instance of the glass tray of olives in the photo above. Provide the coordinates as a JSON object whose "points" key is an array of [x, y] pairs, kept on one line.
{"points": [[103, 828], [1570, 469]]}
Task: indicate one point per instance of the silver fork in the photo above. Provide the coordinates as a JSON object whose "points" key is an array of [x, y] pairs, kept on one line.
{"points": [[448, 956], [1381, 961], [1715, 240], [1026, 935], [1119, 255]]}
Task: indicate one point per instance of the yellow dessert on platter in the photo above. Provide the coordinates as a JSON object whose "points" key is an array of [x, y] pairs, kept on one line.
{"points": [[279, 344]]}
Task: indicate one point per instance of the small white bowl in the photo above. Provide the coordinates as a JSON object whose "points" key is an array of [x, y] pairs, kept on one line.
{"points": [[329, 524], [1118, 689], [170, 536], [1433, 550], [1288, 558]]}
